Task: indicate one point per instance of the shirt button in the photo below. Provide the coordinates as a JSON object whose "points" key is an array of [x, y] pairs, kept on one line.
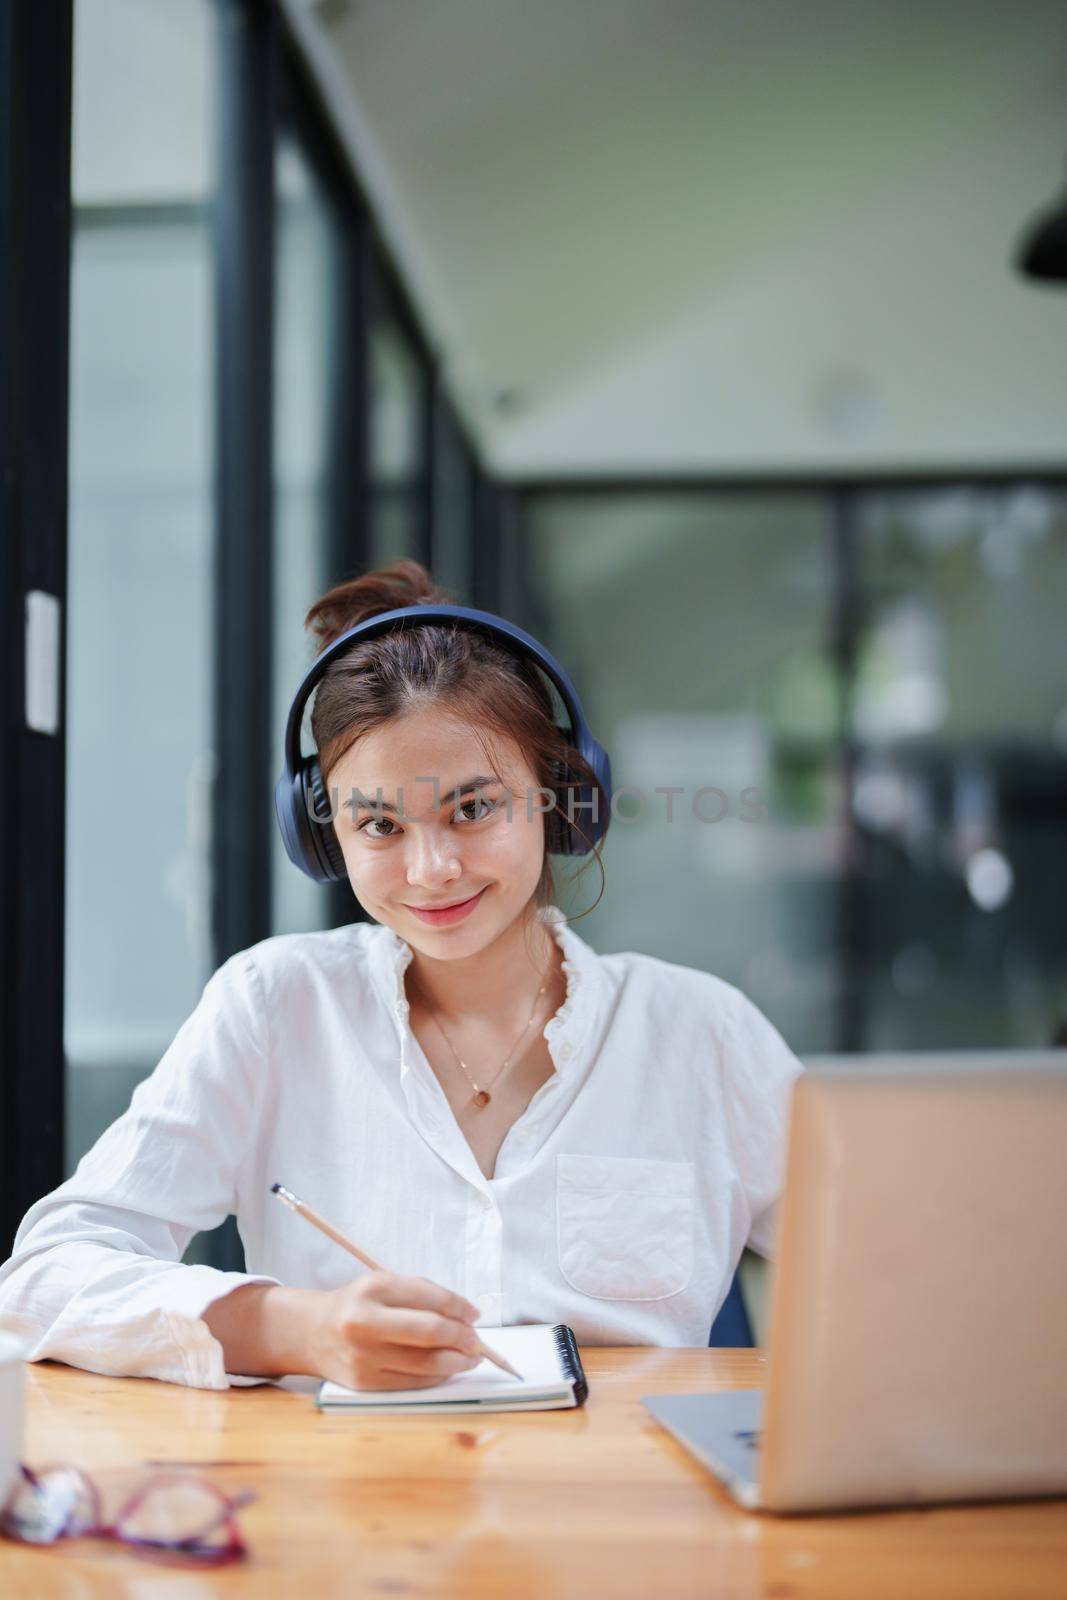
{"points": [[565, 1052], [487, 1202]]}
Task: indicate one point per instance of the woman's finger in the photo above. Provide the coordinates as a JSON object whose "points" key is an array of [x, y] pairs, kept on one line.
{"points": [[420, 1294], [402, 1325], [401, 1380], [415, 1362]]}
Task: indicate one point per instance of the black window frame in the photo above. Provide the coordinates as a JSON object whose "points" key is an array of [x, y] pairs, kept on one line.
{"points": [[36, 47]]}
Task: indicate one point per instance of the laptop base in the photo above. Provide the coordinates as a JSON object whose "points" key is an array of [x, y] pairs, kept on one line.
{"points": [[722, 1431]]}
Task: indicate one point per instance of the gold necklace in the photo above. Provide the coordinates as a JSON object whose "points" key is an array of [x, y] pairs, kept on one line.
{"points": [[481, 1096]]}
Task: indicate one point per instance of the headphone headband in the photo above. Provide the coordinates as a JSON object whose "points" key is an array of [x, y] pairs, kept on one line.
{"points": [[409, 616], [312, 845]]}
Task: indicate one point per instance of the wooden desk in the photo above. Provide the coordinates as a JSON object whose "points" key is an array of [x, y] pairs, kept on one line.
{"points": [[598, 1503]]}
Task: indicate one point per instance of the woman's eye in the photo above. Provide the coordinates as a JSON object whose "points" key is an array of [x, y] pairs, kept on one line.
{"points": [[484, 807], [377, 822], [480, 808]]}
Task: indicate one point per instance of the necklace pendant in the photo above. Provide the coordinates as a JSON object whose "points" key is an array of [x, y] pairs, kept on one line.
{"points": [[482, 1098]]}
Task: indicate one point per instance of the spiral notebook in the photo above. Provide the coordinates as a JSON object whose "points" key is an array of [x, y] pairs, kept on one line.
{"points": [[547, 1357]]}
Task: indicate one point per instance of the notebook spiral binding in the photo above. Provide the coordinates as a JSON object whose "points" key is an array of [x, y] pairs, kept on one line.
{"points": [[571, 1361]]}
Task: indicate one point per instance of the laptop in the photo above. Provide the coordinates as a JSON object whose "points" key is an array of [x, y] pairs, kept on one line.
{"points": [[918, 1306]]}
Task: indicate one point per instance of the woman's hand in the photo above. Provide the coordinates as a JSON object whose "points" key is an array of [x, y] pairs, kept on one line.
{"points": [[383, 1331], [380, 1331]]}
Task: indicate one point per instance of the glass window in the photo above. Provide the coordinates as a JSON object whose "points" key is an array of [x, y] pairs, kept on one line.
{"points": [[397, 438], [960, 716], [140, 633], [696, 629], [305, 294], [453, 531]]}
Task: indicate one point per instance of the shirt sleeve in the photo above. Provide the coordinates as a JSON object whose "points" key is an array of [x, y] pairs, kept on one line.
{"points": [[96, 1277], [760, 1072]]}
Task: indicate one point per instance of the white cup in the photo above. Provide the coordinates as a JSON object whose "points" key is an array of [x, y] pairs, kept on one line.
{"points": [[12, 1352]]}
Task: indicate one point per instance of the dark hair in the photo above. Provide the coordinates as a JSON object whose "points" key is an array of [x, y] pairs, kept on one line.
{"points": [[447, 664]]}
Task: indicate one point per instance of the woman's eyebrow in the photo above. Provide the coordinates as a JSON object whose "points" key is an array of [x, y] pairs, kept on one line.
{"points": [[480, 781]]}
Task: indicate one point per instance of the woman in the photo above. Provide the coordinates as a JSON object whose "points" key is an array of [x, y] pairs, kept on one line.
{"points": [[520, 1129]]}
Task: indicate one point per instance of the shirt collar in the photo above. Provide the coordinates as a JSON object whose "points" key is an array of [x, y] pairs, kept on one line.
{"points": [[390, 957]]}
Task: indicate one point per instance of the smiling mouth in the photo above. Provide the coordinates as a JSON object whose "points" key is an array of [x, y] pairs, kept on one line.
{"points": [[451, 906]]}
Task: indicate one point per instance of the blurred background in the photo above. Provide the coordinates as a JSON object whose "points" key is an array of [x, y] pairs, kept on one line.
{"points": [[695, 336]]}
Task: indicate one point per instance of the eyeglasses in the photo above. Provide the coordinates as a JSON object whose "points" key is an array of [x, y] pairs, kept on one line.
{"points": [[169, 1516]]}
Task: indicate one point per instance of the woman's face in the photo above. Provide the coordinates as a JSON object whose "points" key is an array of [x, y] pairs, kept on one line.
{"points": [[411, 842]]}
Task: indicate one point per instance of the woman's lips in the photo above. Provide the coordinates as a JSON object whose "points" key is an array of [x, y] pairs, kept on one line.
{"points": [[447, 914]]}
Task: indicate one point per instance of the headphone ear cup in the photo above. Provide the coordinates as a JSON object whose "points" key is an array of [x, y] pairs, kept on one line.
{"points": [[573, 795], [558, 830], [330, 857]]}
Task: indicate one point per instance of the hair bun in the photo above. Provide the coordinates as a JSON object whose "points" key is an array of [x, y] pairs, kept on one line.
{"points": [[401, 583]]}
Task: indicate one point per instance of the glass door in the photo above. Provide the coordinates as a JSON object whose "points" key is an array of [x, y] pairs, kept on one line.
{"points": [[139, 759]]}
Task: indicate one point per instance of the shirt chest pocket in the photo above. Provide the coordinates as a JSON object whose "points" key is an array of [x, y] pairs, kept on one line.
{"points": [[624, 1225]]}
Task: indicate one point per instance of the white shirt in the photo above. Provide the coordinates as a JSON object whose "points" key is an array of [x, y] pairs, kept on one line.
{"points": [[621, 1200]]}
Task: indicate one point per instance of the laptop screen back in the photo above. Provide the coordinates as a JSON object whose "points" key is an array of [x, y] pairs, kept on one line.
{"points": [[918, 1324]]}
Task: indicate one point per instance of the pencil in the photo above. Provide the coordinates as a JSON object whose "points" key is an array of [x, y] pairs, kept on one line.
{"points": [[288, 1198]]}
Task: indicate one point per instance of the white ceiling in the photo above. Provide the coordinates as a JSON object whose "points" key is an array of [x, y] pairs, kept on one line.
{"points": [[703, 235]]}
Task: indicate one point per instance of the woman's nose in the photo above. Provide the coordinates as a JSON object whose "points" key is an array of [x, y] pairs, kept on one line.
{"points": [[431, 859]]}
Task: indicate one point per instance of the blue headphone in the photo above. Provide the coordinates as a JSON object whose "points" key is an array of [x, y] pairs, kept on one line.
{"points": [[300, 797]]}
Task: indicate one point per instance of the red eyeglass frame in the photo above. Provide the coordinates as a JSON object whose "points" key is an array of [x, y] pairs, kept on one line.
{"points": [[190, 1551]]}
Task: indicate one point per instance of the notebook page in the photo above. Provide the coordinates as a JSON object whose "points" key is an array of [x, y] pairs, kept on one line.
{"points": [[531, 1350]]}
